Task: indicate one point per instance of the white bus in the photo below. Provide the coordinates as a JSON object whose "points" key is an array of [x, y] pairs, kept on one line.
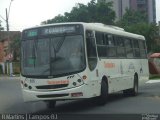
{"points": [[68, 61]]}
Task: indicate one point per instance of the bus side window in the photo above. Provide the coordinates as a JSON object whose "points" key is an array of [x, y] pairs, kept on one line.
{"points": [[110, 42], [128, 46], [120, 47], [136, 48], [91, 50], [101, 46], [142, 46], [99, 38]]}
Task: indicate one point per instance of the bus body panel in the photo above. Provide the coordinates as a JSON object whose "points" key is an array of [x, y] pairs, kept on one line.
{"points": [[120, 73], [32, 95]]}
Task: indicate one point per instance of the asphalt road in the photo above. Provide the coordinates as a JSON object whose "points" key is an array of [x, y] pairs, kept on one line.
{"points": [[148, 101]]}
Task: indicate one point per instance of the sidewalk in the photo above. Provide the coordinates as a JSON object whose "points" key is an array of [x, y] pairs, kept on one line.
{"points": [[153, 81]]}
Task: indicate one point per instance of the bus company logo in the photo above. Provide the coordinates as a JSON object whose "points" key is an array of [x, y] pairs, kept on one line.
{"points": [[131, 67], [59, 82], [150, 117], [109, 65]]}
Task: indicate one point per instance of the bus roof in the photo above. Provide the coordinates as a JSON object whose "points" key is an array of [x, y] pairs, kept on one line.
{"points": [[112, 30], [99, 27]]}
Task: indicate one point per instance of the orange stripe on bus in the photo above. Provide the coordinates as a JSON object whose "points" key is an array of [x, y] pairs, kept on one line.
{"points": [[109, 65]]}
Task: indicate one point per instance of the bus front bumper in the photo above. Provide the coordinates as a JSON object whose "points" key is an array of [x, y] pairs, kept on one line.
{"points": [[80, 92]]}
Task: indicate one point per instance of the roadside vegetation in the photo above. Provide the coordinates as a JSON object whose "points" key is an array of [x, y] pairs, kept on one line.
{"points": [[154, 77]]}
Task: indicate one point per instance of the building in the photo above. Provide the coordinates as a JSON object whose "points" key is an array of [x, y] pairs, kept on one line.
{"points": [[147, 6], [5, 40]]}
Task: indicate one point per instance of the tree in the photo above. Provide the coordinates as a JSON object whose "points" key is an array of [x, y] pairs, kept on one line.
{"points": [[92, 12], [132, 17], [15, 47], [104, 12], [136, 22], [1, 28], [149, 31], [57, 19]]}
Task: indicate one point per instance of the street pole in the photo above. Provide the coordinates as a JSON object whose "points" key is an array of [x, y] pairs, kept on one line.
{"points": [[7, 27]]}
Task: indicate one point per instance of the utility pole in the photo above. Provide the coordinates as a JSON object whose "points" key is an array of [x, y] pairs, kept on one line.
{"points": [[7, 24], [8, 51]]}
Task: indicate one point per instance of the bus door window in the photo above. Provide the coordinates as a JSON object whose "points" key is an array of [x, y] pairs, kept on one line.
{"points": [[91, 50]]}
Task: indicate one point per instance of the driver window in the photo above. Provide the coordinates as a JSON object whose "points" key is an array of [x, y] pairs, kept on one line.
{"points": [[91, 50]]}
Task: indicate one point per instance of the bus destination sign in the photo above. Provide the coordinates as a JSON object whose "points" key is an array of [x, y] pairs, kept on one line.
{"points": [[31, 33], [58, 30]]}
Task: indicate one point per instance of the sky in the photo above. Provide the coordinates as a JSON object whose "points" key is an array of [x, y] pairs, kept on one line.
{"points": [[29, 13]]}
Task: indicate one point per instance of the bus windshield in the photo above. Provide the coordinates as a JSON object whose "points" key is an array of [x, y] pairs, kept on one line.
{"points": [[53, 56]]}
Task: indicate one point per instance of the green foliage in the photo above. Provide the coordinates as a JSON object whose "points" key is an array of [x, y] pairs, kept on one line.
{"points": [[16, 67], [105, 14], [1, 28], [15, 47], [132, 17], [57, 19], [149, 31], [92, 12], [156, 48], [136, 22]]}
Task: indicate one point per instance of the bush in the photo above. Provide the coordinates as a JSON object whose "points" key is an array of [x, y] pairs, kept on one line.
{"points": [[16, 67]]}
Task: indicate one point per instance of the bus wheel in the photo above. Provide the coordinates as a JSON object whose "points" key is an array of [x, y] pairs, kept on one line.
{"points": [[102, 99], [51, 104], [134, 90]]}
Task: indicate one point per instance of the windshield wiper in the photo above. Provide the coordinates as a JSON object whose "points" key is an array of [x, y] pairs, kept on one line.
{"points": [[57, 48], [59, 44]]}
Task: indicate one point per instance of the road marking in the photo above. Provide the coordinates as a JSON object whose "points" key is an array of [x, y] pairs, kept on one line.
{"points": [[153, 81]]}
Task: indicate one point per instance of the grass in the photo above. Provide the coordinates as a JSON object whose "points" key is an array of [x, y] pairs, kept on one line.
{"points": [[154, 77]]}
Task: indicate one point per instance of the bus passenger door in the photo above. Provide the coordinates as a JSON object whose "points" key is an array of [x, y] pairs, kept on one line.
{"points": [[92, 61]]}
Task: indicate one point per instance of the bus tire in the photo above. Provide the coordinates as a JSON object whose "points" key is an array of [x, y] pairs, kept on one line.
{"points": [[51, 104], [134, 90], [102, 99]]}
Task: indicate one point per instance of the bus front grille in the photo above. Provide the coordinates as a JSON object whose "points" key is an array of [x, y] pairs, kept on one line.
{"points": [[52, 86], [52, 95]]}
